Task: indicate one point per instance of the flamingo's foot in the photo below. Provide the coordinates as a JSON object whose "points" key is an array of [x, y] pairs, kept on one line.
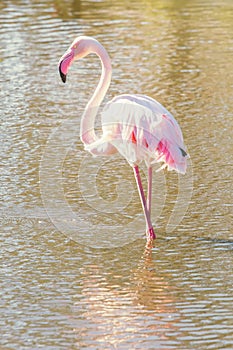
{"points": [[151, 234]]}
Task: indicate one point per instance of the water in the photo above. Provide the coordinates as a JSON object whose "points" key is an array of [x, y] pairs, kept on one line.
{"points": [[75, 270]]}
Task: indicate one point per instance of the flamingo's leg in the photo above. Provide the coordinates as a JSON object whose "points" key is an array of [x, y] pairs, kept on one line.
{"points": [[149, 190], [150, 230]]}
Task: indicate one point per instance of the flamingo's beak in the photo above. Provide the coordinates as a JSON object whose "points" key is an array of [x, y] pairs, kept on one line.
{"points": [[65, 63], [62, 75]]}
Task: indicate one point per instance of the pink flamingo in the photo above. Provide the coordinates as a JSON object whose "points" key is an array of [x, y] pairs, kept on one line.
{"points": [[136, 126]]}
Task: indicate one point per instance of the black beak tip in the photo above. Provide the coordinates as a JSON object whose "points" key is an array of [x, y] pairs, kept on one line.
{"points": [[62, 75]]}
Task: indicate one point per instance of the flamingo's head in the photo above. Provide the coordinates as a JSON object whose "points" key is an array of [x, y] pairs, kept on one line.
{"points": [[80, 47]]}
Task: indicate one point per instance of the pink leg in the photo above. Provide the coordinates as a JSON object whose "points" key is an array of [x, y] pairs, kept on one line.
{"points": [[149, 190], [150, 230]]}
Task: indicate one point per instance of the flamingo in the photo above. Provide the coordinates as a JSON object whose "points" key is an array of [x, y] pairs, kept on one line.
{"points": [[136, 126]]}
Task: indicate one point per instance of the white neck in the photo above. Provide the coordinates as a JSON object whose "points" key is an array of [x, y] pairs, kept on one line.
{"points": [[87, 132]]}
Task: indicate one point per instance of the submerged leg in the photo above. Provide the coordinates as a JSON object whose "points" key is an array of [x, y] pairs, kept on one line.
{"points": [[150, 230]]}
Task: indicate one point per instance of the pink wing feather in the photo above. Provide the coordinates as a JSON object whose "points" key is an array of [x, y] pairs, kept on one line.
{"points": [[140, 128]]}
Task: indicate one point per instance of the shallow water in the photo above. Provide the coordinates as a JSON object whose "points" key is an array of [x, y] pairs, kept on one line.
{"points": [[75, 270]]}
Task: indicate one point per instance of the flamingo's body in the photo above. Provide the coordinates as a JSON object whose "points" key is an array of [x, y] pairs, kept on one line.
{"points": [[136, 126]]}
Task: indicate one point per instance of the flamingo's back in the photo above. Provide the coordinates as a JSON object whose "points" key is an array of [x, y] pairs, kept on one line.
{"points": [[140, 128]]}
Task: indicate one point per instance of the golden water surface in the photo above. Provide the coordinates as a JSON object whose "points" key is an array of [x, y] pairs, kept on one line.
{"points": [[75, 272]]}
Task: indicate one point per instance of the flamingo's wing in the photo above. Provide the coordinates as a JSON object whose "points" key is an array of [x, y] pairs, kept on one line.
{"points": [[140, 128], [128, 125]]}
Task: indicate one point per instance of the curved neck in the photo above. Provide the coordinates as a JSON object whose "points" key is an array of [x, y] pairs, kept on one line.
{"points": [[87, 132]]}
